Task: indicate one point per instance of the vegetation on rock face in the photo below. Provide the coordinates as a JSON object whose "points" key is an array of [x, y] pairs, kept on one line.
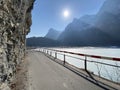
{"points": [[15, 22]]}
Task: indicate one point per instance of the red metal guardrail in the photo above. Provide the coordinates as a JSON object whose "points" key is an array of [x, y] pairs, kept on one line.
{"points": [[93, 56]]}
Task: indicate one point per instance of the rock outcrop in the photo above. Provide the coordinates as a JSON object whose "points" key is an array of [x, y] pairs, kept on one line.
{"points": [[15, 22]]}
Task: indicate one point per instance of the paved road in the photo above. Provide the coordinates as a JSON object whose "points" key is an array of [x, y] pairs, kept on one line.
{"points": [[45, 74]]}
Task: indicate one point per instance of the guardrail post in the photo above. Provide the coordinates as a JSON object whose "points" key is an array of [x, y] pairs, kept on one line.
{"points": [[47, 51], [85, 63], [55, 55], [64, 60], [50, 53]]}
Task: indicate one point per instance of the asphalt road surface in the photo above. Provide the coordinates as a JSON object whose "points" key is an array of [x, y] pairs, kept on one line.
{"points": [[45, 74]]}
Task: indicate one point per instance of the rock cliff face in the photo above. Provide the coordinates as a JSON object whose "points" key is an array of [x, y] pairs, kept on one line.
{"points": [[15, 22]]}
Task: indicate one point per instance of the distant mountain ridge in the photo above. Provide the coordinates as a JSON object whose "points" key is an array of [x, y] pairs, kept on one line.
{"points": [[53, 34], [41, 42]]}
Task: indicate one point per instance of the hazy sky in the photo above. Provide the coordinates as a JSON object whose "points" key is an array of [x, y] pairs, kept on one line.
{"points": [[49, 13]]}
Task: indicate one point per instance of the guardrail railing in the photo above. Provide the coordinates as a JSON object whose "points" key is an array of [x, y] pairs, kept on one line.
{"points": [[85, 59]]}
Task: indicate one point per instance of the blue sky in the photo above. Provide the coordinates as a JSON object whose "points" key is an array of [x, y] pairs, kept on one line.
{"points": [[49, 14]]}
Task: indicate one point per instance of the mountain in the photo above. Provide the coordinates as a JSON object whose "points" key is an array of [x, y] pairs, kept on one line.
{"points": [[90, 19], [108, 18], [91, 36], [41, 42], [101, 29], [73, 28], [52, 34], [111, 6], [71, 35]]}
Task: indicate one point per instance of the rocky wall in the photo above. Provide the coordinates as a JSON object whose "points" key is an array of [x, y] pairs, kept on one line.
{"points": [[15, 22]]}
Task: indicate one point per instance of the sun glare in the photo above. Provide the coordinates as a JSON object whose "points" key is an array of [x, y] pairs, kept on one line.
{"points": [[66, 13]]}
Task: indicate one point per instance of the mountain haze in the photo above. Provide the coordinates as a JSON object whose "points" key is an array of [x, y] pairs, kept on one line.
{"points": [[52, 34]]}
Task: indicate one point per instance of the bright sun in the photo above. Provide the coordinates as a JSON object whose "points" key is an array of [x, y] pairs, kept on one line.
{"points": [[66, 13]]}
